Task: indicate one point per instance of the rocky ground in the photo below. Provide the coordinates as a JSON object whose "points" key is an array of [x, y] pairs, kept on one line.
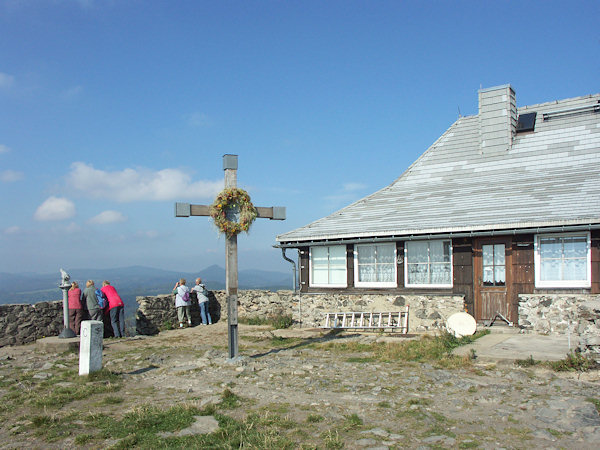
{"points": [[318, 391]]}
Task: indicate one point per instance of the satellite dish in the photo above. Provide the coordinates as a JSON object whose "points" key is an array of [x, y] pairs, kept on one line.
{"points": [[461, 324]]}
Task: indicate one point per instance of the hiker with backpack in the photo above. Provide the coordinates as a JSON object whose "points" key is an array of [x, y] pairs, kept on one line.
{"points": [[182, 302], [94, 301]]}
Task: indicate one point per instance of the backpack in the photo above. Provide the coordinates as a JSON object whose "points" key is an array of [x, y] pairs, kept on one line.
{"points": [[101, 298], [186, 296]]}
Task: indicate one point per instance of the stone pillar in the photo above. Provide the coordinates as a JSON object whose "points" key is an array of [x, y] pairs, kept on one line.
{"points": [[90, 346]]}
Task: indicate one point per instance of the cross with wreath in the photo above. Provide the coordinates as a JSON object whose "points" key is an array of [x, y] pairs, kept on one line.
{"points": [[232, 212]]}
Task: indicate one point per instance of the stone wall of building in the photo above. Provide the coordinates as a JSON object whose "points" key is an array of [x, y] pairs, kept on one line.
{"points": [[23, 323], [577, 314], [426, 312]]}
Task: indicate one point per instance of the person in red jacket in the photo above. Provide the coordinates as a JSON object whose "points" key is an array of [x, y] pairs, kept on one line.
{"points": [[116, 309], [75, 310]]}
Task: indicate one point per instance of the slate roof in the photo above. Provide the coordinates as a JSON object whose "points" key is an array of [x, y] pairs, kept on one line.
{"points": [[549, 177]]}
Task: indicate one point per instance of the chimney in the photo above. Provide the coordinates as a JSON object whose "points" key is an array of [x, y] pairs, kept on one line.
{"points": [[497, 119]]}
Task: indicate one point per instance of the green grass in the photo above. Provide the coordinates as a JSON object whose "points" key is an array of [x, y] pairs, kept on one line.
{"points": [[352, 422], [573, 362], [314, 418], [529, 362], [229, 400], [65, 387], [276, 321], [428, 349]]}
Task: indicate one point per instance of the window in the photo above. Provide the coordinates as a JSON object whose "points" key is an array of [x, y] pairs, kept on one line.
{"points": [[563, 260], [526, 122], [328, 266], [375, 265], [428, 264], [494, 265]]}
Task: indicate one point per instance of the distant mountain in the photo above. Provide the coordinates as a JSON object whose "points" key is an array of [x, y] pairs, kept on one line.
{"points": [[131, 282]]}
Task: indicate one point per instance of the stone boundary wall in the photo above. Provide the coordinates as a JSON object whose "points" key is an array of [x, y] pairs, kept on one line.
{"points": [[426, 312], [24, 323], [577, 314]]}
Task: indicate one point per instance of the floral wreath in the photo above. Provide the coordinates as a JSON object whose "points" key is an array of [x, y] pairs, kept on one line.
{"points": [[229, 198]]}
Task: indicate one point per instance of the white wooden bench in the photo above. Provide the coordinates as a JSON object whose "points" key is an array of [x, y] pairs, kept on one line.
{"points": [[395, 321]]}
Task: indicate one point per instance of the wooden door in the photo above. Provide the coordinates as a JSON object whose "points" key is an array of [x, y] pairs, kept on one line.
{"points": [[492, 266]]}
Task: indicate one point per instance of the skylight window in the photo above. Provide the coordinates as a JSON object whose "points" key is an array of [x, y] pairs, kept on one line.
{"points": [[526, 122]]}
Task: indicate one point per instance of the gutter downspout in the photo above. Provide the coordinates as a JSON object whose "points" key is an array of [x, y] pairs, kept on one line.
{"points": [[295, 279], [293, 263]]}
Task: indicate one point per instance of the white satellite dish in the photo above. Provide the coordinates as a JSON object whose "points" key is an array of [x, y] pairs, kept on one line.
{"points": [[461, 324]]}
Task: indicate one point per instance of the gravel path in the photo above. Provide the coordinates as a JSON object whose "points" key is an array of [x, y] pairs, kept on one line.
{"points": [[393, 405]]}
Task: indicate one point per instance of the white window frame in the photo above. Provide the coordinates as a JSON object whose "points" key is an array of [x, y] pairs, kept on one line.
{"points": [[428, 286], [376, 284], [326, 285], [560, 283]]}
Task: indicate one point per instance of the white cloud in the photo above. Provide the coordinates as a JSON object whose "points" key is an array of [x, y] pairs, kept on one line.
{"points": [[55, 208], [12, 230], [108, 217], [9, 176], [4, 149], [6, 80], [131, 185]]}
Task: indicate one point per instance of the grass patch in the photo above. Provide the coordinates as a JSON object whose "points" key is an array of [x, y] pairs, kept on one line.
{"points": [[352, 422], [229, 400], [61, 389], [432, 349], [139, 427], [315, 418], [111, 400], [332, 440], [573, 362], [528, 362], [360, 359], [277, 321]]}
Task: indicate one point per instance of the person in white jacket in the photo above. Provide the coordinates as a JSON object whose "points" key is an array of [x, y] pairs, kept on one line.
{"points": [[182, 302], [202, 294]]}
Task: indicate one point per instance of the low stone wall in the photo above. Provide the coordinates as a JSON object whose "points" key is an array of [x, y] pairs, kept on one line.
{"points": [[23, 323], [426, 312], [577, 314]]}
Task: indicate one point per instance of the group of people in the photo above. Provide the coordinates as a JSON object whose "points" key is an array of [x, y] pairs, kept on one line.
{"points": [[182, 302], [94, 304]]}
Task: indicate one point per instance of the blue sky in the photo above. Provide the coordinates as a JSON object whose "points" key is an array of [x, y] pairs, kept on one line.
{"points": [[111, 111]]}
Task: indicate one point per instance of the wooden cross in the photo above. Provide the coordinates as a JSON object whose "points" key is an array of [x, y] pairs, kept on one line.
{"points": [[230, 166]]}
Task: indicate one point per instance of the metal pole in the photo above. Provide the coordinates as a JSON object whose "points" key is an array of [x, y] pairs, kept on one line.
{"points": [[65, 286]]}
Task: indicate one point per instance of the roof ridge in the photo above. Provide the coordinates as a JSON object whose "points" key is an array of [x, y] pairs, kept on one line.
{"points": [[558, 102]]}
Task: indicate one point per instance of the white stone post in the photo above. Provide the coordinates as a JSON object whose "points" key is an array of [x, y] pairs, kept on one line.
{"points": [[90, 346]]}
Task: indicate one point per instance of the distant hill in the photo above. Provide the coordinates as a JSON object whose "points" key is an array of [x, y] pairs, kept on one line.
{"points": [[131, 282]]}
